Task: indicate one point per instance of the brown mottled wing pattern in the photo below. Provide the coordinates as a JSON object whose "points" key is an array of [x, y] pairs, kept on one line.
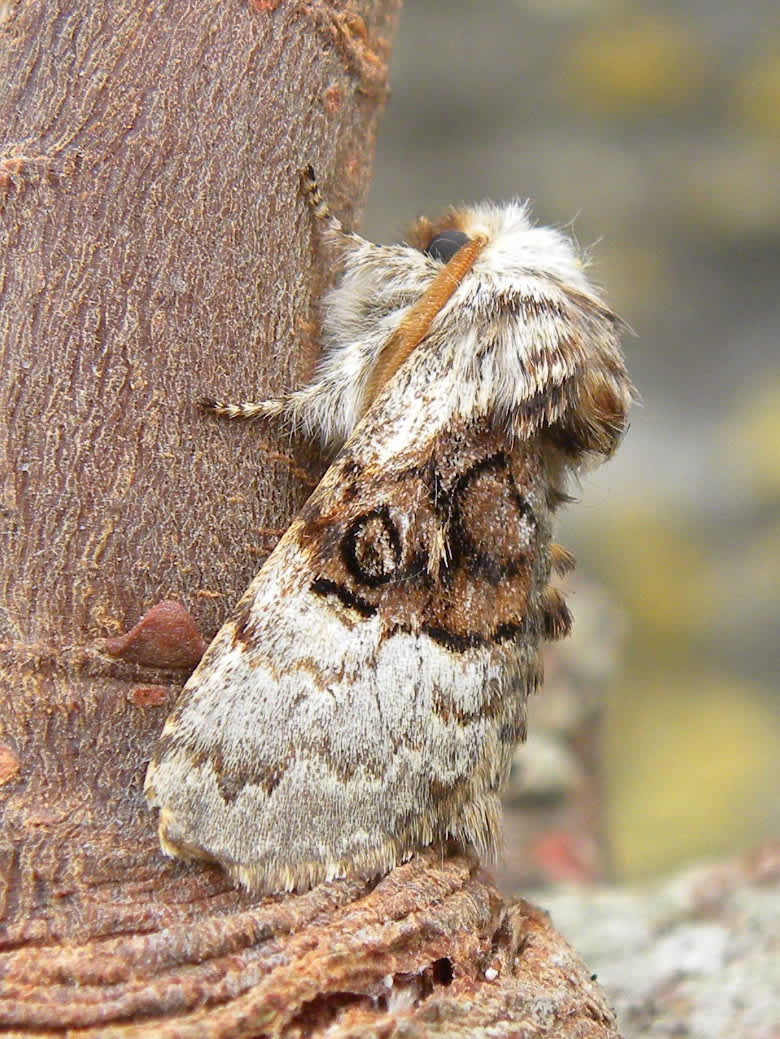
{"points": [[449, 548]]}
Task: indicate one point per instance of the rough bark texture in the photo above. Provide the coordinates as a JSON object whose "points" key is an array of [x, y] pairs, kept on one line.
{"points": [[430, 951], [155, 248]]}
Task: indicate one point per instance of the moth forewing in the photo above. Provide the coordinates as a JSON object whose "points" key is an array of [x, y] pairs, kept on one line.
{"points": [[366, 695]]}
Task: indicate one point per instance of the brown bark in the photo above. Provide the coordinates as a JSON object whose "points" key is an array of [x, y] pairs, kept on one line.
{"points": [[430, 951], [155, 248]]}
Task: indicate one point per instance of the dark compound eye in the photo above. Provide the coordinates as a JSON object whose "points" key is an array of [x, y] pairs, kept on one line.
{"points": [[444, 246]]}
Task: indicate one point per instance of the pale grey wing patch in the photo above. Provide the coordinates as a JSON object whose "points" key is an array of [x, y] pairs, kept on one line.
{"points": [[292, 779]]}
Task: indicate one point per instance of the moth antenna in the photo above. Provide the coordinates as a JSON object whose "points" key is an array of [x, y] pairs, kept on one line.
{"points": [[415, 325], [319, 206], [331, 225]]}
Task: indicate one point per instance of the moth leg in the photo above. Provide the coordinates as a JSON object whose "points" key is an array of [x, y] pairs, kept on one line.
{"points": [[299, 410], [261, 409], [272, 408]]}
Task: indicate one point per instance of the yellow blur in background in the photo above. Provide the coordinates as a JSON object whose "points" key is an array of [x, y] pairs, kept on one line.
{"points": [[652, 132]]}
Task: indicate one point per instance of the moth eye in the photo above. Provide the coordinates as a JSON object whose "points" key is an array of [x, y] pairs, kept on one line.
{"points": [[372, 548], [444, 246]]}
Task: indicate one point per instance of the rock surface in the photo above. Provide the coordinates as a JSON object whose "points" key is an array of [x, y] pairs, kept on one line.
{"points": [[696, 954]]}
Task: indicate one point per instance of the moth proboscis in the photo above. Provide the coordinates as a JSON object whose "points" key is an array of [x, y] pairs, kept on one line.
{"points": [[366, 696]]}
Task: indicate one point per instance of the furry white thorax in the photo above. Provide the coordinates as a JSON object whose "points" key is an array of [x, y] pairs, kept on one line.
{"points": [[481, 339]]}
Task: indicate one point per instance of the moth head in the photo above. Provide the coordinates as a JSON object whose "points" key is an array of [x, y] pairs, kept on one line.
{"points": [[513, 243], [441, 239]]}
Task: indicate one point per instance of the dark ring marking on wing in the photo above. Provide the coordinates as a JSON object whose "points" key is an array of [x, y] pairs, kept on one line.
{"points": [[371, 548], [486, 521]]}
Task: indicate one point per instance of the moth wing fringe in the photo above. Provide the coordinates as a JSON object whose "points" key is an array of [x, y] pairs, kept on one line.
{"points": [[473, 823]]}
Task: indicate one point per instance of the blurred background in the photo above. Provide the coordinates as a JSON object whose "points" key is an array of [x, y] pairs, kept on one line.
{"points": [[653, 131]]}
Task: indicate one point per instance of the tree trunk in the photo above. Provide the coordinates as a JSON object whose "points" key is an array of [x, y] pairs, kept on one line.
{"points": [[155, 249]]}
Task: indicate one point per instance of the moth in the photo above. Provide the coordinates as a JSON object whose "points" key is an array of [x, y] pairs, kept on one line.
{"points": [[365, 697]]}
